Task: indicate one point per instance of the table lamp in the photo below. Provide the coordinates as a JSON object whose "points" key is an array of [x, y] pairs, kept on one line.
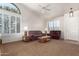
{"points": [[26, 32], [46, 29]]}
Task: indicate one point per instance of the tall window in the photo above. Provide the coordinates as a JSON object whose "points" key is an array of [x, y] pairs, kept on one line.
{"points": [[6, 23], [10, 16], [18, 25], [54, 25], [13, 24]]}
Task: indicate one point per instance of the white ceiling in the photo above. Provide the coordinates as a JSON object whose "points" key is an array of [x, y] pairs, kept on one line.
{"points": [[55, 9]]}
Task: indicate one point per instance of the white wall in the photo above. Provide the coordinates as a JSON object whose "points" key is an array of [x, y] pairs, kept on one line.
{"points": [[30, 19], [71, 26]]}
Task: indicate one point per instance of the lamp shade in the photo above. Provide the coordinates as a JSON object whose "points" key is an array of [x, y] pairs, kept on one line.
{"points": [[46, 29], [25, 28]]}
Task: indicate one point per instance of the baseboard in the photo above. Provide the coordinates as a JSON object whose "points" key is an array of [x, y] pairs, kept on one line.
{"points": [[71, 40], [12, 42]]}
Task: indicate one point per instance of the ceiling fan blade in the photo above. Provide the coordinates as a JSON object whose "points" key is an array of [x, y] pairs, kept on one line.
{"points": [[39, 5], [48, 9], [48, 5]]}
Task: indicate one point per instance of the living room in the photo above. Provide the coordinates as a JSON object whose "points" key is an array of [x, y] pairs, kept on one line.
{"points": [[39, 29]]}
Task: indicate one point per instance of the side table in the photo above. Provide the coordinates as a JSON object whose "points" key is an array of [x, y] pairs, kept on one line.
{"points": [[0, 41], [26, 38]]}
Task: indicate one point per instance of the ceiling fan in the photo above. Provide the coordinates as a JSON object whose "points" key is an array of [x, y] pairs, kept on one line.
{"points": [[45, 7]]}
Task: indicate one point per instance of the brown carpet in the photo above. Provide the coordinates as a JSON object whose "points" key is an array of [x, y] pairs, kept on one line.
{"points": [[34, 48]]}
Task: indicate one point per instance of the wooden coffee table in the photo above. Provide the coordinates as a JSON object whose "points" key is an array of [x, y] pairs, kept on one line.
{"points": [[44, 39]]}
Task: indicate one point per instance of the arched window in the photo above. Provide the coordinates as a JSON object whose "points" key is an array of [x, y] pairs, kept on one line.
{"points": [[10, 16]]}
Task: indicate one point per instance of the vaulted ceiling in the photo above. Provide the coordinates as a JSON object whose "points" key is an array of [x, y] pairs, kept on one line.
{"points": [[52, 10]]}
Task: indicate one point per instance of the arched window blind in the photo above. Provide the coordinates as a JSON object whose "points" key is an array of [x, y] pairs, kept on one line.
{"points": [[10, 16]]}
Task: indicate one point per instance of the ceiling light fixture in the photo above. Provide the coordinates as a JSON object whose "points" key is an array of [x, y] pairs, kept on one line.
{"points": [[71, 12]]}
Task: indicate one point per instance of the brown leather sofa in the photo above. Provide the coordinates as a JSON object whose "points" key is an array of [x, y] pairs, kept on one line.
{"points": [[33, 35]]}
